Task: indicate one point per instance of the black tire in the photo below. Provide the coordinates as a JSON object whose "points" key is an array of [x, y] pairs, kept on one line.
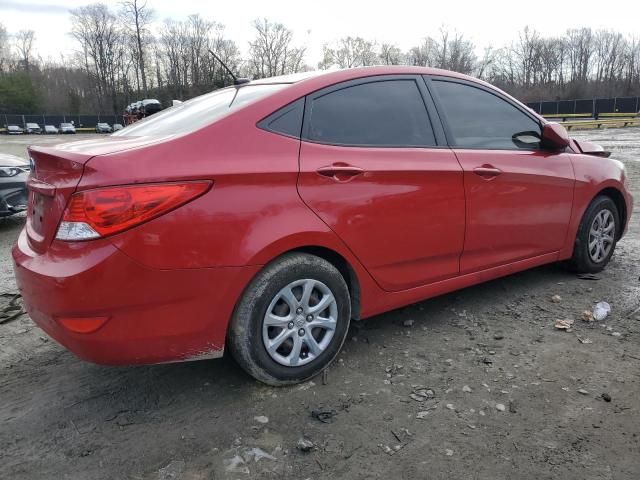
{"points": [[581, 261], [245, 333]]}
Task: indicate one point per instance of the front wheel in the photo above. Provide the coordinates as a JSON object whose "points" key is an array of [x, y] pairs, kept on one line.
{"points": [[597, 236], [291, 321]]}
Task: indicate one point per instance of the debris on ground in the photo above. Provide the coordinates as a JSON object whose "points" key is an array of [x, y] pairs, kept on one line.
{"points": [[408, 323], [466, 389], [588, 276], [565, 324], [173, 471], [556, 298], [606, 397], [403, 436], [448, 452], [601, 311], [587, 316], [424, 413], [420, 394], [582, 391], [585, 340], [236, 464], [13, 309], [500, 407], [261, 419], [305, 445], [325, 416]]}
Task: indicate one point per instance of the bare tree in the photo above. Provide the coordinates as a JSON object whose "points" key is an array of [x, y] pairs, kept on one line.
{"points": [[137, 17], [272, 52], [349, 52], [24, 45], [425, 54], [98, 31], [390, 54], [4, 48]]}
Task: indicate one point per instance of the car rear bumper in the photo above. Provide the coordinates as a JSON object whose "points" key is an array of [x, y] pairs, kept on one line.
{"points": [[150, 316]]}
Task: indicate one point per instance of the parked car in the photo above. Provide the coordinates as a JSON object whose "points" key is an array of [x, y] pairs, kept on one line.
{"points": [[352, 193], [14, 130], [103, 128], [117, 126], [66, 128], [32, 128], [13, 188], [150, 106], [50, 129]]}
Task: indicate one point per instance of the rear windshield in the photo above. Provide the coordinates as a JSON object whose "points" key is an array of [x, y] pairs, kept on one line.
{"points": [[198, 112]]}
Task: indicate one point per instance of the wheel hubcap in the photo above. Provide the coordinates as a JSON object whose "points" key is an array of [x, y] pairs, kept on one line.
{"points": [[300, 322], [601, 236]]}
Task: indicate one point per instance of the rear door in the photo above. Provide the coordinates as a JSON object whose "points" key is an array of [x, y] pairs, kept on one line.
{"points": [[519, 195], [375, 170]]}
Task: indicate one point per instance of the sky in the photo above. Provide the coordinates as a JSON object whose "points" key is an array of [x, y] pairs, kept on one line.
{"points": [[401, 22]]}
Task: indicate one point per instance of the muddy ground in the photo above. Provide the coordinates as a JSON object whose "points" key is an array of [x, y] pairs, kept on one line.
{"points": [[513, 396]]}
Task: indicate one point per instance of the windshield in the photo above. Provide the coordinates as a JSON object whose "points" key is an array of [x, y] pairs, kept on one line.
{"points": [[65, 124], [200, 111]]}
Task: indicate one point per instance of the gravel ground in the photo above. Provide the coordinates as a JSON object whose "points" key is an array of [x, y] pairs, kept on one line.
{"points": [[477, 384]]}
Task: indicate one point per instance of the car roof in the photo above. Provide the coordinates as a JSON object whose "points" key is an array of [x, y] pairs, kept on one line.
{"points": [[306, 82], [352, 73]]}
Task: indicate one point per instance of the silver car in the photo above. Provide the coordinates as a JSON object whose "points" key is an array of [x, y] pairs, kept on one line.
{"points": [[67, 128], [13, 184]]}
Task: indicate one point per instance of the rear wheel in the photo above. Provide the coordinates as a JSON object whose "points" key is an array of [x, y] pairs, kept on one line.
{"points": [[291, 321], [597, 236]]}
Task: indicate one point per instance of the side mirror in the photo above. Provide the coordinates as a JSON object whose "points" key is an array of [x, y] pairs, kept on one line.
{"points": [[555, 136]]}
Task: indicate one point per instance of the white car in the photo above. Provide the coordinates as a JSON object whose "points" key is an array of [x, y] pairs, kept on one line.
{"points": [[32, 128], [67, 128], [50, 129], [14, 130]]}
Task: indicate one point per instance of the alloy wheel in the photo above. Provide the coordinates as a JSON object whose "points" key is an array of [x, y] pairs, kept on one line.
{"points": [[300, 322]]}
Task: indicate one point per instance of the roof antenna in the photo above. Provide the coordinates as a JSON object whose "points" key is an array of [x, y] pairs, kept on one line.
{"points": [[236, 80]]}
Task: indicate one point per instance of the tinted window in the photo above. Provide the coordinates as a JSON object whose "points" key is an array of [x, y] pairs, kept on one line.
{"points": [[479, 119], [198, 112], [287, 120], [387, 113]]}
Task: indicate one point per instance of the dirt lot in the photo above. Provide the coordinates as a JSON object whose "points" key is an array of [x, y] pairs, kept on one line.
{"points": [[513, 397]]}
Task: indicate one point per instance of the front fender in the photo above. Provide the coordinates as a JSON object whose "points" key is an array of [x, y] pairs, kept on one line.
{"points": [[593, 175]]}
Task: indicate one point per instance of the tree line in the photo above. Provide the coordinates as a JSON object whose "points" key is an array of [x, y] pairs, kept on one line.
{"points": [[123, 54]]}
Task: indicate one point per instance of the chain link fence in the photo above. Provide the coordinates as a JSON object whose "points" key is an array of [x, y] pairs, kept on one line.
{"points": [[588, 107]]}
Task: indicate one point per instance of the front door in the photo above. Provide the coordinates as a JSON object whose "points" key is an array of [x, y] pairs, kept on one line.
{"points": [[519, 195]]}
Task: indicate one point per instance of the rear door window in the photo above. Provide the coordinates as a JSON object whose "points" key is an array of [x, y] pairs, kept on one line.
{"points": [[482, 120], [388, 113]]}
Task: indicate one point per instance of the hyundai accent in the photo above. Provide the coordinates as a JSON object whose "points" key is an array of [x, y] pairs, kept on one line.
{"points": [[264, 217]]}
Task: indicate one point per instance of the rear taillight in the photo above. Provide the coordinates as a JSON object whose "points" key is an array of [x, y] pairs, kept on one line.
{"points": [[105, 211]]}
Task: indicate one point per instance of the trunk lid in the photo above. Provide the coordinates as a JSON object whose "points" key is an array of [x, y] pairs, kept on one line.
{"points": [[54, 177], [55, 174]]}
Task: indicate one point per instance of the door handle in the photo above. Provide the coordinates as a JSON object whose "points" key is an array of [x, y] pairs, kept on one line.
{"points": [[340, 173], [487, 171]]}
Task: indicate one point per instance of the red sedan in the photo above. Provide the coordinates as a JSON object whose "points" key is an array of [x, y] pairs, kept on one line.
{"points": [[264, 217]]}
